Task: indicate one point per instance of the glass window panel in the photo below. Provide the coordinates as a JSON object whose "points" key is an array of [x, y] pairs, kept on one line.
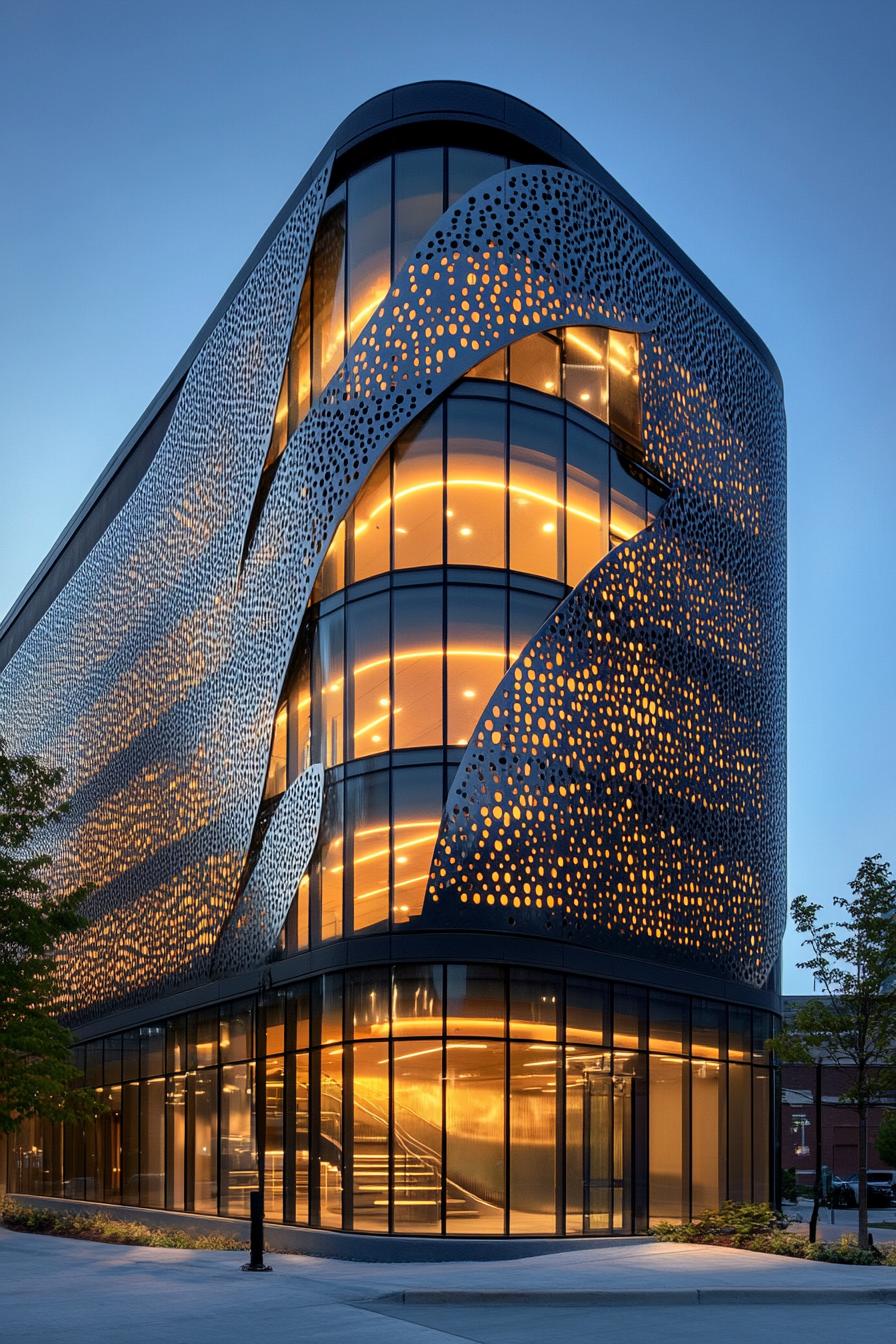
{"points": [[762, 1030], [328, 689], [534, 1005], [130, 1128], [535, 362], [417, 1137], [331, 575], [239, 1170], [418, 670], [93, 1064], [299, 719], [533, 1139], [587, 1011], [476, 482], [739, 1133], [668, 1023], [761, 1118], [330, 989], [370, 1136], [111, 1121], [707, 1022], [202, 1037], [237, 1031], [493, 367], [417, 1000], [300, 361], [739, 1026], [176, 1050], [276, 780], [628, 502], [707, 1135], [152, 1143], [130, 1054], [328, 293], [475, 1001], [204, 1088], [585, 369], [476, 655], [152, 1050], [369, 243], [587, 471], [273, 1139], [370, 524], [418, 494], [528, 613], [367, 838], [300, 1065], [629, 1018], [474, 1147], [368, 1011], [417, 800], [668, 1139], [654, 504], [536, 492], [175, 1141], [367, 664], [330, 1159], [273, 1012], [112, 1060], [468, 167], [625, 408], [330, 865], [279, 433], [419, 191], [298, 1016], [302, 915]]}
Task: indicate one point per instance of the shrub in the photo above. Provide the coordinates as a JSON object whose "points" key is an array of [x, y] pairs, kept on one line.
{"points": [[846, 1251], [730, 1225], [101, 1227]]}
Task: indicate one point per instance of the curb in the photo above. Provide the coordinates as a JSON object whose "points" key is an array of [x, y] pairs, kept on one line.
{"points": [[647, 1297]]}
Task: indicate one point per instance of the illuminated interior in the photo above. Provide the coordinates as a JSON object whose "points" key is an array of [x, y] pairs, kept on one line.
{"points": [[430, 1099]]}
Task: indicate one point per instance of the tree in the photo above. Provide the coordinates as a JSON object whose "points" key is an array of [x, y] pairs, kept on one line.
{"points": [[37, 1077], [886, 1138], [853, 1022]]}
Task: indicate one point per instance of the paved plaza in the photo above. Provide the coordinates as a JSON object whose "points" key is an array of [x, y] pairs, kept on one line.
{"points": [[55, 1290]]}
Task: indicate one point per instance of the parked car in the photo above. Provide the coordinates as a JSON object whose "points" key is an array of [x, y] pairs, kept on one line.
{"points": [[880, 1189]]}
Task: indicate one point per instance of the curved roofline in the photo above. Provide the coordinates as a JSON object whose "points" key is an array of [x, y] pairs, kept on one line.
{"points": [[426, 102]]}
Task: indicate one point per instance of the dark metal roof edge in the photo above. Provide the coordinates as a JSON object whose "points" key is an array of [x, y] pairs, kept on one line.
{"points": [[432, 100]]}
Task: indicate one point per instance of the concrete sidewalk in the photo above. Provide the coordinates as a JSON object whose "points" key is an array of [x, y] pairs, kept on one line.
{"points": [[54, 1290]]}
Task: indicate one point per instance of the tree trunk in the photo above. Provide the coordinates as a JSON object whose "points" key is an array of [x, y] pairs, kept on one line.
{"points": [[816, 1200], [863, 1175]]}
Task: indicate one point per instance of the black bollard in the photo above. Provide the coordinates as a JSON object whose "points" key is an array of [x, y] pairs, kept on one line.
{"points": [[256, 1263]]}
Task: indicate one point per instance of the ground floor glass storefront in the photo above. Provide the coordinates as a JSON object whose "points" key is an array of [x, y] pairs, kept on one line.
{"points": [[458, 1099]]}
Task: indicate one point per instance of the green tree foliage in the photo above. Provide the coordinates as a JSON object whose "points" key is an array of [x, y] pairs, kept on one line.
{"points": [[36, 1073], [852, 1023], [886, 1139]]}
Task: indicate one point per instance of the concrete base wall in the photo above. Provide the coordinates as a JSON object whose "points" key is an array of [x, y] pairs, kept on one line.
{"points": [[334, 1245]]}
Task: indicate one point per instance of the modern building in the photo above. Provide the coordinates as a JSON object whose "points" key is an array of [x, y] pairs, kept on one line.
{"points": [[417, 668]]}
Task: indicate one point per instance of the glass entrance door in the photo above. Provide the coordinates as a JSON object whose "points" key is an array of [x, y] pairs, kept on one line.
{"points": [[606, 1152]]}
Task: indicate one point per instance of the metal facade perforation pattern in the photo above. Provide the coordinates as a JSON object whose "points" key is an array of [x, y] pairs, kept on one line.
{"points": [[154, 678]]}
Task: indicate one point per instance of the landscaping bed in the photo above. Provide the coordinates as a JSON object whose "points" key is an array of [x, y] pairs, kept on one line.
{"points": [[759, 1227], [102, 1227]]}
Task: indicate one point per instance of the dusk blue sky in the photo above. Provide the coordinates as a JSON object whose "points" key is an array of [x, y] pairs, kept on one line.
{"points": [[144, 148]]}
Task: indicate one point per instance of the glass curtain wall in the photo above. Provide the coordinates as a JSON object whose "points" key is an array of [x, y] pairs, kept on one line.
{"points": [[459, 1099]]}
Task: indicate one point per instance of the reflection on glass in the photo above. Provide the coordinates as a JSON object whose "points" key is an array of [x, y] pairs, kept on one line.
{"points": [[203, 1092], [667, 1139], [476, 657], [418, 668], [475, 1001], [367, 648], [493, 367], [587, 1011], [587, 466], [367, 834], [476, 483], [273, 1139], [629, 1017], [370, 526], [276, 781], [417, 1000], [419, 189], [761, 1140], [533, 1138], [585, 369], [331, 864], [468, 167], [707, 1135], [330, 1159], [369, 243], [474, 1141], [707, 1022], [622, 357], [328, 279], [331, 575], [299, 720], [528, 613], [534, 1005], [368, 1003], [417, 1141], [628, 502], [416, 815], [668, 1023], [418, 494], [239, 1171], [331, 1009], [536, 492], [535, 363], [370, 1137], [739, 1026], [327, 685], [237, 1031]]}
